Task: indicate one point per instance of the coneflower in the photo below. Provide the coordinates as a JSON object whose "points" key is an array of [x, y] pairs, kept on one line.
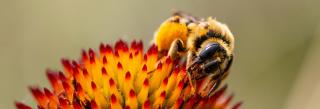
{"points": [[123, 77]]}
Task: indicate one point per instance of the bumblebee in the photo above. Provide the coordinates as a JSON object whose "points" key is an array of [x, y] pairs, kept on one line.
{"points": [[206, 43]]}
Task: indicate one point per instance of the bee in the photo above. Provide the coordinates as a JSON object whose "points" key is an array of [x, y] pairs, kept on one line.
{"points": [[206, 43]]}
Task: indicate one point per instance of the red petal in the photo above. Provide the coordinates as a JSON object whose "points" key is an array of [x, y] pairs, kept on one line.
{"points": [[22, 106]]}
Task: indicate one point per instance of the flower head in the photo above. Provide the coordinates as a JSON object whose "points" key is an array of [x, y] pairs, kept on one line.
{"points": [[123, 77]]}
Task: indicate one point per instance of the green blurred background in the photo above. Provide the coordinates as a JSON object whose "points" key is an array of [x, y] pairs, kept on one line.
{"points": [[277, 42]]}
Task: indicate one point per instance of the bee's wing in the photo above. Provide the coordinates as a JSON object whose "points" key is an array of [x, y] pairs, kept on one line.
{"points": [[186, 16]]}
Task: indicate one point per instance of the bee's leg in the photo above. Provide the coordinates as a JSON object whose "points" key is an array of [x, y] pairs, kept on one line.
{"points": [[192, 83], [226, 70], [190, 57], [217, 81], [214, 87], [213, 68], [176, 47]]}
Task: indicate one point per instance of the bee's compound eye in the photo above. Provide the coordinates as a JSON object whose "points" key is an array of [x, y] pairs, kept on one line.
{"points": [[209, 51]]}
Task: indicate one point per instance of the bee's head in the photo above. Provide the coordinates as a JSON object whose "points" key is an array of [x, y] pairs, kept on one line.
{"points": [[207, 60], [205, 68]]}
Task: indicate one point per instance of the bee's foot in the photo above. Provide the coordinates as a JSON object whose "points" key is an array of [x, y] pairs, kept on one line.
{"points": [[193, 90]]}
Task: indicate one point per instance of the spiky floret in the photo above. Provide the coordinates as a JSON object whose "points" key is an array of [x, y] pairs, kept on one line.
{"points": [[123, 77]]}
